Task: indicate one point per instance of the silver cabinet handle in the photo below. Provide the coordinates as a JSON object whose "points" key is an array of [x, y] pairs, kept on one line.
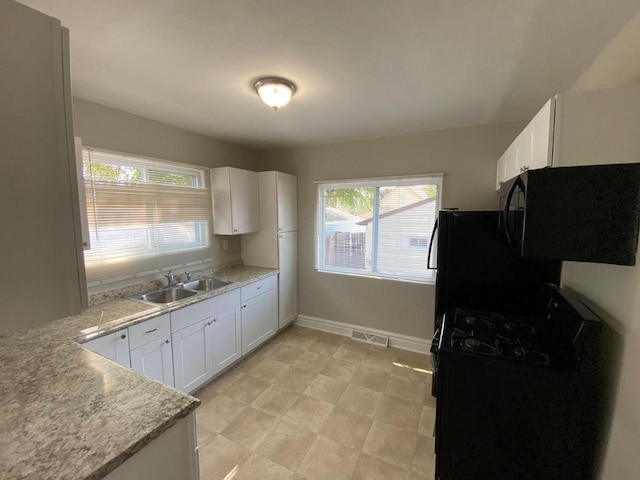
{"points": [[123, 336], [258, 288], [153, 330], [244, 306], [209, 323], [167, 341]]}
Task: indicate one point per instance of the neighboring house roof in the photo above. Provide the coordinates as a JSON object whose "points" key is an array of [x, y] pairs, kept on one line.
{"points": [[332, 214], [398, 210]]}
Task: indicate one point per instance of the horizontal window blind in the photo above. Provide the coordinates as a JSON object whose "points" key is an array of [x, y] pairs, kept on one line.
{"points": [[144, 215], [380, 227]]}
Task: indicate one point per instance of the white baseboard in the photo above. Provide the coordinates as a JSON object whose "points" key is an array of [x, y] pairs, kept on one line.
{"points": [[397, 340]]}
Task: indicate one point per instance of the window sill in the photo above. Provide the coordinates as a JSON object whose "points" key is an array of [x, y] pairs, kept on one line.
{"points": [[377, 277]]}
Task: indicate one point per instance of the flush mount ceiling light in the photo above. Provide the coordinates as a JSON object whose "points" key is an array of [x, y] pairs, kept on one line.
{"points": [[275, 92]]}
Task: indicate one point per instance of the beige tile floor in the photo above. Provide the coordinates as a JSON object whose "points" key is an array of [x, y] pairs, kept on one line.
{"points": [[317, 406]]}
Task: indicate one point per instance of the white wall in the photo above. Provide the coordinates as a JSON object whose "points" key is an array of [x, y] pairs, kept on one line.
{"points": [[467, 157], [613, 292], [105, 127]]}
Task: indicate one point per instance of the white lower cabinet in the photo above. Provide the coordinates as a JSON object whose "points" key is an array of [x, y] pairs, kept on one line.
{"points": [[193, 355], [114, 346], [227, 338], [155, 360], [171, 456], [259, 319], [188, 347]]}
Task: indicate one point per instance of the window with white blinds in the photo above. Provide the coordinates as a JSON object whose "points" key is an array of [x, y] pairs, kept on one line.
{"points": [[144, 215], [378, 227]]}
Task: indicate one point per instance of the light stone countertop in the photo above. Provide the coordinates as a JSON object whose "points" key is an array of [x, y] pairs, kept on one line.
{"points": [[66, 412]]}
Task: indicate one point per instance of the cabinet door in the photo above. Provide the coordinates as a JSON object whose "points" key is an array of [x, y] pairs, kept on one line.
{"points": [[259, 320], [192, 355], [227, 345], [287, 200], [523, 153], [245, 201], [155, 360], [541, 137], [114, 346], [288, 278], [500, 172], [511, 167]]}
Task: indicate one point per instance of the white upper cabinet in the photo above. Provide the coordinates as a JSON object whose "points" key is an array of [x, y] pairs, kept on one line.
{"points": [[236, 201], [581, 128], [287, 199], [531, 149]]}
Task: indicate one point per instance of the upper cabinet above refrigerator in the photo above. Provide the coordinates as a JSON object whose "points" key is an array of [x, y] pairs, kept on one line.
{"points": [[287, 199], [579, 128], [236, 201]]}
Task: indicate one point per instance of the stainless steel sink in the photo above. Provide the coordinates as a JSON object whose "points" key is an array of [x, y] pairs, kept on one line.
{"points": [[205, 284], [167, 295]]}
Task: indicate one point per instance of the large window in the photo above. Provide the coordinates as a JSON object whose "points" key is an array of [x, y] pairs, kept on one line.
{"points": [[378, 227], [144, 215]]}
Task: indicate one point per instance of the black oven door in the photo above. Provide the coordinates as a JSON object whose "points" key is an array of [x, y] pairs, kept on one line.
{"points": [[513, 197]]}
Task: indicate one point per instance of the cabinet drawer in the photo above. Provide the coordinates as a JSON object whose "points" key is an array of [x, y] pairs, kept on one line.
{"points": [[149, 331], [258, 288], [187, 316]]}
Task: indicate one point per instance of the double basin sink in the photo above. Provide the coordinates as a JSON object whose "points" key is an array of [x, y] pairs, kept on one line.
{"points": [[181, 291]]}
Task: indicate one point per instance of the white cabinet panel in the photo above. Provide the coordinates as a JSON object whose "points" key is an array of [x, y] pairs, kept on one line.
{"points": [[260, 286], [259, 320], [236, 201], [206, 309], [531, 149], [114, 346], [227, 333], [149, 331], [155, 360], [287, 201], [540, 132], [288, 278], [192, 355]]}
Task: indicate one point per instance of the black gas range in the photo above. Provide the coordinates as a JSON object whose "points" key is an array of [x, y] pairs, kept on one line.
{"points": [[524, 340], [516, 393]]}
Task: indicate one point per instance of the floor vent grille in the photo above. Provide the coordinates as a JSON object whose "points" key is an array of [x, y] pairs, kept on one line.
{"points": [[372, 338]]}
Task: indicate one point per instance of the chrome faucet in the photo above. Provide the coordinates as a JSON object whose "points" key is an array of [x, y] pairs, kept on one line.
{"points": [[188, 275], [170, 279]]}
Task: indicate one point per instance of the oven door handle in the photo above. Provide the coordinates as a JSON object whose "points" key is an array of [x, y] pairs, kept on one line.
{"points": [[433, 235], [518, 182]]}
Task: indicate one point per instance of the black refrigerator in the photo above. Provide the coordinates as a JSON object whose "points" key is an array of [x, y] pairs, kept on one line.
{"points": [[477, 269], [515, 361]]}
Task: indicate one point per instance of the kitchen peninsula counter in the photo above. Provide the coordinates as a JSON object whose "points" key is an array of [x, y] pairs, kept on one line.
{"points": [[66, 412]]}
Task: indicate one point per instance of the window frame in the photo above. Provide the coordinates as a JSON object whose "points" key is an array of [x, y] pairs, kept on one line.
{"points": [[191, 255], [433, 178]]}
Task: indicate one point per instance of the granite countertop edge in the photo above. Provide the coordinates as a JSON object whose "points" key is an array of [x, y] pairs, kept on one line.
{"points": [[139, 444], [154, 311]]}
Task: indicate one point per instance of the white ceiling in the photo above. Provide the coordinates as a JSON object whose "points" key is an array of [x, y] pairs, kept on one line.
{"points": [[364, 68]]}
